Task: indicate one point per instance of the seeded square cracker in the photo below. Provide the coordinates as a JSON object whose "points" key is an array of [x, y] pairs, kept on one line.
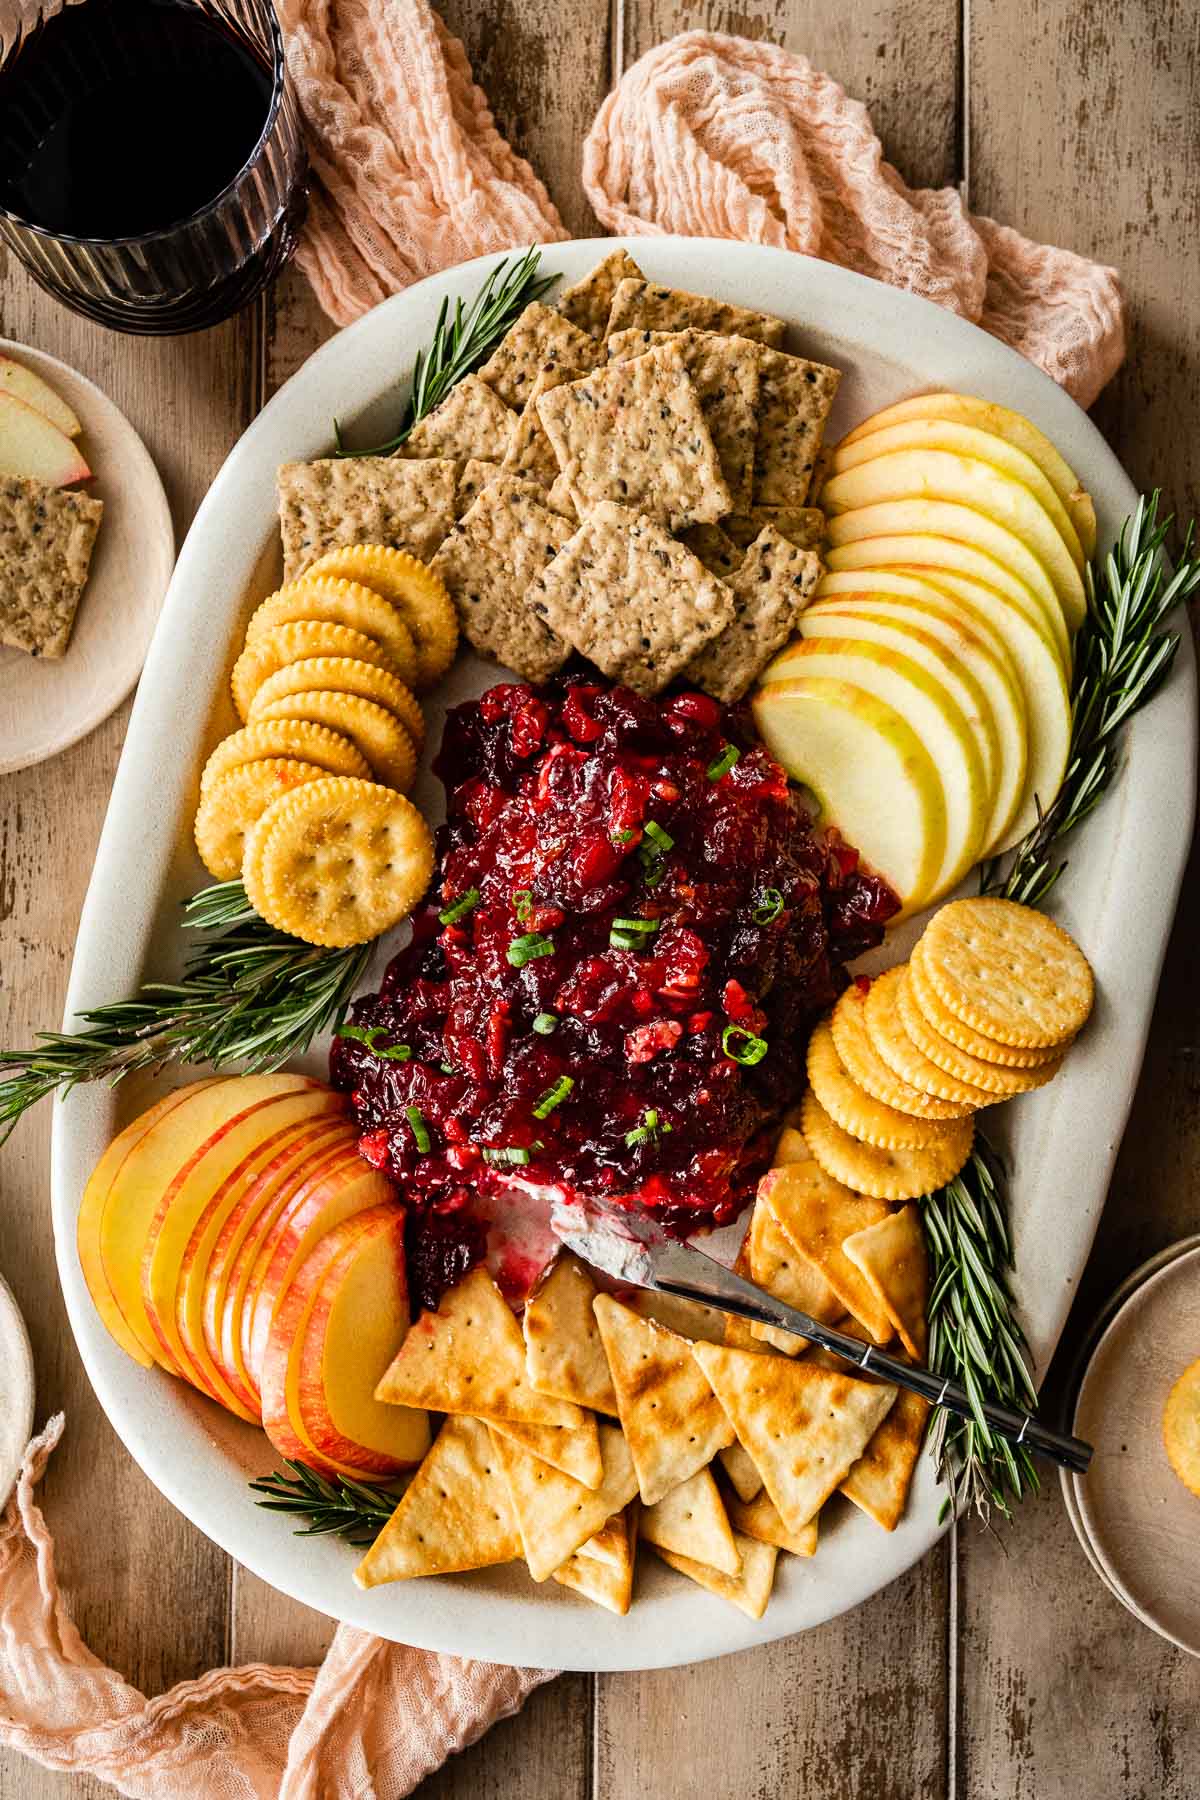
{"points": [[475, 476], [540, 342], [489, 562], [472, 421], [531, 454], [725, 373], [803, 526], [630, 598], [589, 302], [645, 306], [337, 500], [770, 590], [719, 554], [794, 401], [46, 540], [634, 432]]}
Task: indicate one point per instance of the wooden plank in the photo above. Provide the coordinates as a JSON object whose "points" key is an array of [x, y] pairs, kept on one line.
{"points": [[542, 1754], [131, 1583], [1048, 1659]]}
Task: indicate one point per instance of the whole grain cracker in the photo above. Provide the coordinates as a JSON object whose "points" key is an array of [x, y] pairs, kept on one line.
{"points": [[235, 801], [893, 1044], [1007, 1056], [794, 401], [692, 1520], [815, 1214], [305, 740], [386, 500], [634, 432], [477, 472], [472, 421], [671, 1420], [749, 1590], [803, 526], [883, 1174], [281, 645], [46, 540], [771, 587], [587, 303], [725, 374], [858, 1112], [540, 342], [413, 590], [343, 603], [343, 675], [719, 554], [530, 455], [991, 1077], [646, 306], [455, 1514], [338, 862], [490, 563], [631, 599], [371, 728], [864, 1064], [1008, 972]]}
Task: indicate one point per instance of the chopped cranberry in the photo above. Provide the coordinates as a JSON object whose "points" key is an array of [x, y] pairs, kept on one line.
{"points": [[645, 1041]]}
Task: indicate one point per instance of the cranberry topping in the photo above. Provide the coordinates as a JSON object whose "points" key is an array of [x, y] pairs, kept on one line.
{"points": [[631, 931]]}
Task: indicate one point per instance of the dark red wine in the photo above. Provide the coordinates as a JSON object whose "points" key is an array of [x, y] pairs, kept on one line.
{"points": [[121, 117]]}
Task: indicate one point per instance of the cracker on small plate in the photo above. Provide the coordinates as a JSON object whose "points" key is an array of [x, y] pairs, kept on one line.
{"points": [[652, 308], [540, 342], [631, 598], [588, 303], [408, 505], [471, 421], [794, 401], [634, 432], [46, 540], [490, 560], [771, 588], [725, 373]]}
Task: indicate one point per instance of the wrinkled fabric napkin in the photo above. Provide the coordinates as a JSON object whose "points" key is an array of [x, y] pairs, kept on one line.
{"points": [[705, 136]]}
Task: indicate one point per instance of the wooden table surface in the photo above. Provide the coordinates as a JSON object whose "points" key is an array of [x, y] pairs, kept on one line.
{"points": [[995, 1671]]}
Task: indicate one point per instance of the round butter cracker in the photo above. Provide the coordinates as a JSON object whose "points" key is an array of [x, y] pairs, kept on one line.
{"points": [[893, 1044], [309, 743], [883, 1174], [1001, 1083], [377, 733], [344, 675], [281, 645], [341, 603], [1008, 1056], [420, 596], [1008, 972], [236, 800], [865, 1066], [869, 1120]]}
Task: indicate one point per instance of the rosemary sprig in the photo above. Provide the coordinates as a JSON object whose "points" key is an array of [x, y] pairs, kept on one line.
{"points": [[342, 1508], [464, 339], [249, 994], [1121, 660]]}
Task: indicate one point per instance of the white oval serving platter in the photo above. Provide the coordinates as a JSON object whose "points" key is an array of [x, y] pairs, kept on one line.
{"points": [[1118, 899]]}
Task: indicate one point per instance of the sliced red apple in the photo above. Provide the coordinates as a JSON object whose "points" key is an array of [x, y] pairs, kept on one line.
{"points": [[16, 379], [30, 446]]}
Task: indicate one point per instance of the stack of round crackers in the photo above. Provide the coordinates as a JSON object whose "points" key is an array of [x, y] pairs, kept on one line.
{"points": [[305, 802], [986, 1008]]}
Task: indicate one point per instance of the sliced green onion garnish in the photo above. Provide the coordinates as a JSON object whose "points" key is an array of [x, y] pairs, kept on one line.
{"points": [[370, 1036], [529, 948], [461, 907], [749, 1051], [620, 837], [554, 1097], [649, 1127], [662, 840], [523, 904], [509, 1153], [420, 1129], [632, 934], [769, 907], [545, 1023], [730, 755]]}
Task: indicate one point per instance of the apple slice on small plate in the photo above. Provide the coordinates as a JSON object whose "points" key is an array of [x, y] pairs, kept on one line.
{"points": [[19, 379]]}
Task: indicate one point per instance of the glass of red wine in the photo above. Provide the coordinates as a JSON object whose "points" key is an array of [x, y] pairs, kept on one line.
{"points": [[152, 169]]}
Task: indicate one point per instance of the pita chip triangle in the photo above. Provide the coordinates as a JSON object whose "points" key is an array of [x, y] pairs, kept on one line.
{"points": [[610, 1543], [692, 1520], [759, 1518], [879, 1481], [792, 1147], [576, 1453], [672, 1420], [468, 1357], [741, 1471], [777, 1266], [739, 1333], [749, 1590], [689, 1319], [563, 1353], [818, 1214], [455, 1514], [556, 1515], [804, 1426], [607, 1581], [892, 1257]]}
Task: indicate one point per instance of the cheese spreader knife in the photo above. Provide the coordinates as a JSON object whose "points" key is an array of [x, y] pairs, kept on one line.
{"points": [[638, 1252]]}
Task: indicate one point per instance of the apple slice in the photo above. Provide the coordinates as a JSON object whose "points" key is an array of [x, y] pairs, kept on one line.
{"points": [[963, 481], [965, 440], [923, 551], [869, 772], [91, 1210], [1002, 422], [16, 379], [945, 519], [934, 715], [33, 448], [977, 672]]}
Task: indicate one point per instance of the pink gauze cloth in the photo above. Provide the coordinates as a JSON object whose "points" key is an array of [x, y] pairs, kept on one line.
{"points": [[370, 1724]]}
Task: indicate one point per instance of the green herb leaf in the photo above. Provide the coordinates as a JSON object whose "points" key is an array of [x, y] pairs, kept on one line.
{"points": [[769, 907], [507, 1153], [370, 1036], [420, 1130], [342, 1508], [546, 1024]]}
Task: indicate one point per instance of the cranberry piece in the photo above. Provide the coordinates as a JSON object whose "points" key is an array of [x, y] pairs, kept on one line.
{"points": [[644, 1042]]}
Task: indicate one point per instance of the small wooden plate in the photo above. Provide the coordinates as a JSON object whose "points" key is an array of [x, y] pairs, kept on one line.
{"points": [[1142, 1525], [16, 1390], [45, 706]]}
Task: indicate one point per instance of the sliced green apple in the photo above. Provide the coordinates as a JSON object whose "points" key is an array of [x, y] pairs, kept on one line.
{"points": [[966, 482], [869, 772], [933, 714], [1002, 422], [968, 660], [947, 519], [965, 440], [16, 379]]}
